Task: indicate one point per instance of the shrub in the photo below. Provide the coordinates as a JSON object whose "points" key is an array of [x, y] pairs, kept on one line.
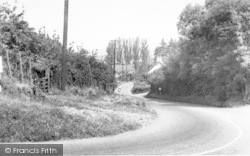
{"points": [[8, 85], [130, 101], [140, 87], [86, 92], [14, 88], [36, 123]]}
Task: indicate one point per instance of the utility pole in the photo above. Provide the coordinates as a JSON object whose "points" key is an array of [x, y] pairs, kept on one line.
{"points": [[64, 51]]}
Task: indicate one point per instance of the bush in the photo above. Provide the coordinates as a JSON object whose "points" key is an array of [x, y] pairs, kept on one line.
{"points": [[14, 88], [192, 99], [131, 101], [19, 123], [77, 91], [8, 85], [140, 87], [86, 92]]}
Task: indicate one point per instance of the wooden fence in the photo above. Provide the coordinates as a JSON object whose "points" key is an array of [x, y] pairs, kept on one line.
{"points": [[43, 84]]}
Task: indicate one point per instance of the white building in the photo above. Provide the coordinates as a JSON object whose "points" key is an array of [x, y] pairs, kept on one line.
{"points": [[158, 65]]}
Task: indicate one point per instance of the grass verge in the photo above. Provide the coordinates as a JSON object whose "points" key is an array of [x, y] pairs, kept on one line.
{"points": [[207, 100], [73, 114]]}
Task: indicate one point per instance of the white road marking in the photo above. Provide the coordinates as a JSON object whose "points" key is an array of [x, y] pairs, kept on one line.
{"points": [[240, 132], [229, 143]]}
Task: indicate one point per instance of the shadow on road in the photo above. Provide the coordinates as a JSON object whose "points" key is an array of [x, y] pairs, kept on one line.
{"points": [[168, 103]]}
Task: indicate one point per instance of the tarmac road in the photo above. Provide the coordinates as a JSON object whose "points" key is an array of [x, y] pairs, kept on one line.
{"points": [[179, 129]]}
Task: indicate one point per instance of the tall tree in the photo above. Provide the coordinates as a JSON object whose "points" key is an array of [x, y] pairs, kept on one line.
{"points": [[110, 55], [144, 56], [144, 51], [136, 52], [210, 49], [127, 54], [241, 16], [119, 50], [190, 20], [160, 50], [120, 53], [129, 57]]}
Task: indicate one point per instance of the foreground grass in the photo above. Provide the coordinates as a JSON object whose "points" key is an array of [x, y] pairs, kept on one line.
{"points": [[68, 116]]}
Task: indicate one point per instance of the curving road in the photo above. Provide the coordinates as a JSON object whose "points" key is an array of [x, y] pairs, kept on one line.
{"points": [[179, 129]]}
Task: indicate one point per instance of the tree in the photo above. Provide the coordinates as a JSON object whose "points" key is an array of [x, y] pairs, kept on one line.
{"points": [[26, 49], [144, 51], [160, 50], [16, 36], [190, 20], [110, 55], [127, 54], [136, 52], [129, 57], [241, 17], [119, 50], [212, 55], [143, 67]]}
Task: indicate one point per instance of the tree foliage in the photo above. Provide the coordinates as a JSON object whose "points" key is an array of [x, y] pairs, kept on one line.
{"points": [[24, 49], [129, 51], [213, 51]]}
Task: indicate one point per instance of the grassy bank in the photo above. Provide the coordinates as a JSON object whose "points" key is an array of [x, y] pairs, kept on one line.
{"points": [[75, 113], [199, 100]]}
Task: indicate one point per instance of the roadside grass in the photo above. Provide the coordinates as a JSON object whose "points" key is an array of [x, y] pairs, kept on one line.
{"points": [[206, 100], [68, 115], [140, 87]]}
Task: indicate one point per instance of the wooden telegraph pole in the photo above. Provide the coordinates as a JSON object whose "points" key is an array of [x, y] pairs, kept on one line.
{"points": [[64, 51]]}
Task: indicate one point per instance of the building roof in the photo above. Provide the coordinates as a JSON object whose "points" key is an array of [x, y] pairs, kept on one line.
{"points": [[158, 65]]}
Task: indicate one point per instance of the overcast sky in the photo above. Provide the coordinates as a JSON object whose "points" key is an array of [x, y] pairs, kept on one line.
{"points": [[93, 23]]}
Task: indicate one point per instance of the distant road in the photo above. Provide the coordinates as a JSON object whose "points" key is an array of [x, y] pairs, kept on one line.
{"points": [[179, 129]]}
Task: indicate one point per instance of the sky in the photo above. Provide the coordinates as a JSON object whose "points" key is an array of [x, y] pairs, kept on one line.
{"points": [[93, 23]]}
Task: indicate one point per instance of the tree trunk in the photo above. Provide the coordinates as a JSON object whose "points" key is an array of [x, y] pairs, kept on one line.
{"points": [[126, 71], [21, 66], [247, 89], [90, 74], [122, 70], [247, 92], [8, 62], [30, 71]]}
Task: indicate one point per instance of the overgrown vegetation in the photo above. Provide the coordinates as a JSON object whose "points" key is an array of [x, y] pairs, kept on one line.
{"points": [[85, 109], [211, 58], [140, 87], [25, 50], [76, 113]]}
